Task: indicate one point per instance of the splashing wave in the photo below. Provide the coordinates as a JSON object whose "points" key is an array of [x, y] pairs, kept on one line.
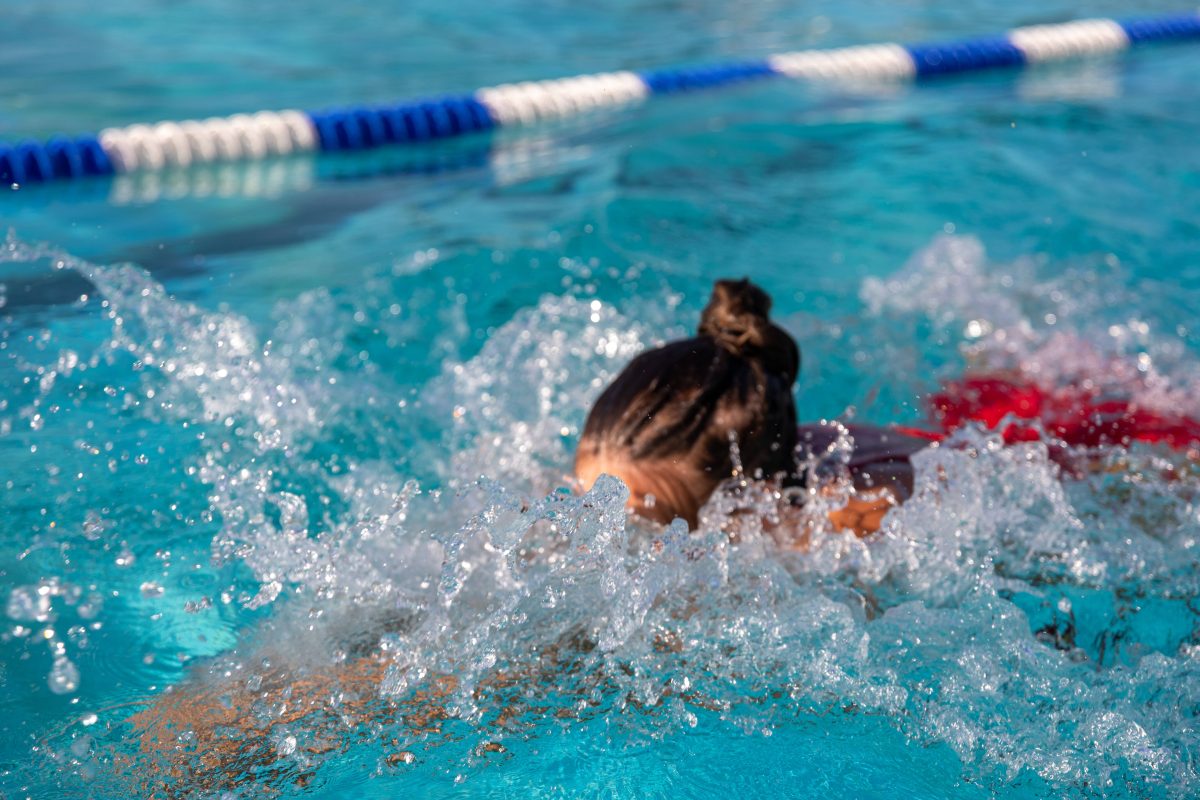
{"points": [[1030, 625]]}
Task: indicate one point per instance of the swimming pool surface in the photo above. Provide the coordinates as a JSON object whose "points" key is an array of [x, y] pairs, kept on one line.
{"points": [[273, 421]]}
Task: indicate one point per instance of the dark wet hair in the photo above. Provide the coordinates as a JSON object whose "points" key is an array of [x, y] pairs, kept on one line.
{"points": [[669, 419]]}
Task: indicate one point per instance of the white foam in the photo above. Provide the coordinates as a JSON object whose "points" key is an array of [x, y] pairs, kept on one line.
{"points": [[1071, 328]]}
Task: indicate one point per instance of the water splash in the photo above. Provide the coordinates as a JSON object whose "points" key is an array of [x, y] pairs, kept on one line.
{"points": [[1003, 613], [1057, 331]]}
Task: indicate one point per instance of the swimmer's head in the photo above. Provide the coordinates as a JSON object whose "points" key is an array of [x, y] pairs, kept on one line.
{"points": [[666, 425]]}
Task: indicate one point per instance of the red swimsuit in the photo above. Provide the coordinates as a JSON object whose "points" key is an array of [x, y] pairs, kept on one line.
{"points": [[1071, 416]]}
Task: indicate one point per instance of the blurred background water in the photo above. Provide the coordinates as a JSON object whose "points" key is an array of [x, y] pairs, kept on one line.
{"points": [[249, 410]]}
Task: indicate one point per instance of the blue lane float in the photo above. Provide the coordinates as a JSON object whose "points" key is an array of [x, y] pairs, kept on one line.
{"points": [[974, 54], [280, 133]]}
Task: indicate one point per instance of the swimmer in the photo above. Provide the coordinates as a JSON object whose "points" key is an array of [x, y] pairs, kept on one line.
{"points": [[670, 424]]}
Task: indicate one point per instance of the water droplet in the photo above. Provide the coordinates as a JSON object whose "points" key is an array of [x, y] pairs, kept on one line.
{"points": [[91, 606], [81, 746], [286, 746], [94, 525], [27, 603], [64, 676]]}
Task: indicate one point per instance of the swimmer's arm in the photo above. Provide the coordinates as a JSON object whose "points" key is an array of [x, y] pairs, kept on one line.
{"points": [[215, 735], [211, 735], [863, 513]]}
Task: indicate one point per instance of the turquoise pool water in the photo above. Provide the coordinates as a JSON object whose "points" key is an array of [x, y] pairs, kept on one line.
{"points": [[265, 420]]}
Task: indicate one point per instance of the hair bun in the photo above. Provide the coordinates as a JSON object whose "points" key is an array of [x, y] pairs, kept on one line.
{"points": [[736, 318], [736, 315]]}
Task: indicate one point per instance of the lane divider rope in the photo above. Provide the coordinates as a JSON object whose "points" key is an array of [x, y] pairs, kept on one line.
{"points": [[269, 134]]}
